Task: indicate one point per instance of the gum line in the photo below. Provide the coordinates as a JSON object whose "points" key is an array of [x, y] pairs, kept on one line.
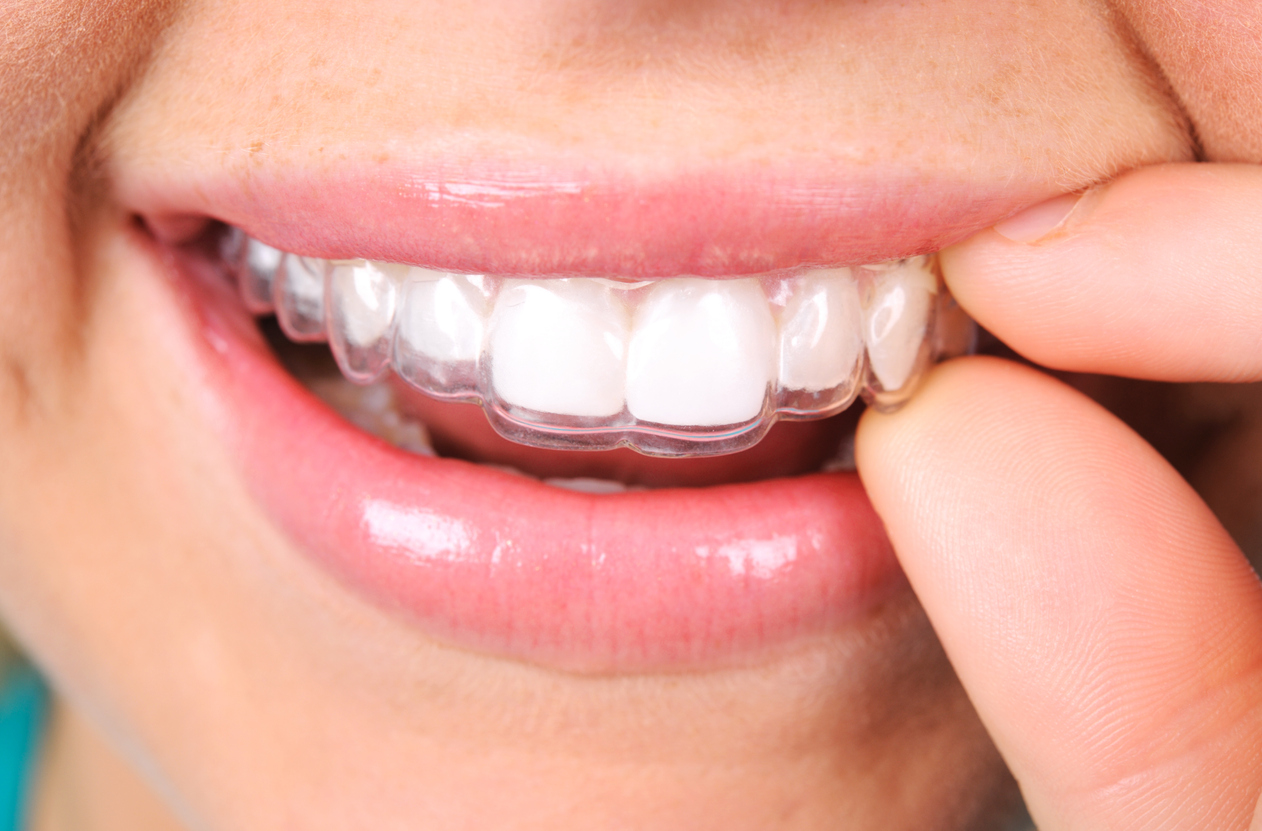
{"points": [[671, 367]]}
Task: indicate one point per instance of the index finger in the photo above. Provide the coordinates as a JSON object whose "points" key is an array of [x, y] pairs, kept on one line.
{"points": [[1157, 275]]}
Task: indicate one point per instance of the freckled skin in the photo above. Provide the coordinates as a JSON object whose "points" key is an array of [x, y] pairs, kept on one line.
{"points": [[256, 694]]}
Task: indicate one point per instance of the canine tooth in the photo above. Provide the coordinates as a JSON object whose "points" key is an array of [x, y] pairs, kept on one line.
{"points": [[559, 346], [820, 338], [702, 353], [439, 334], [895, 320], [258, 272], [298, 294], [361, 302]]}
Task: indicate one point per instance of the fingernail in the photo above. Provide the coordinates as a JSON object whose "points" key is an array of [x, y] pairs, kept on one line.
{"points": [[1034, 224]]}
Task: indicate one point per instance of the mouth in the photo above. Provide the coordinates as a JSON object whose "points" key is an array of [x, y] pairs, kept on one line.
{"points": [[677, 367], [345, 381]]}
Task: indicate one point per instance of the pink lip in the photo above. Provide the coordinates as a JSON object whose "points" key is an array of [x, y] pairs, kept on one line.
{"points": [[502, 564], [554, 219]]}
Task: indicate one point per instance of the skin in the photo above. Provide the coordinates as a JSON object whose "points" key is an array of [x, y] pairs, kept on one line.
{"points": [[1079, 616]]}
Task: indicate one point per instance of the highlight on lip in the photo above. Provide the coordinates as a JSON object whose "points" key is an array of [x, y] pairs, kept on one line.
{"points": [[673, 366]]}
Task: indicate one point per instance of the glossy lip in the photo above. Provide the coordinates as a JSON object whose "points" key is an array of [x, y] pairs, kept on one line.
{"points": [[559, 218], [667, 580], [642, 581]]}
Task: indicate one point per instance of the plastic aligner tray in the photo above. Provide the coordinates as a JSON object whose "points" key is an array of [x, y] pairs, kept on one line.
{"points": [[681, 366]]}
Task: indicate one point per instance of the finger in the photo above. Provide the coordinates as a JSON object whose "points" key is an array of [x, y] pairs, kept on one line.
{"points": [[1156, 275], [1104, 625]]}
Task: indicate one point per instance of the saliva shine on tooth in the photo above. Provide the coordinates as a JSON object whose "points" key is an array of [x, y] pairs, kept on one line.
{"points": [[683, 366]]}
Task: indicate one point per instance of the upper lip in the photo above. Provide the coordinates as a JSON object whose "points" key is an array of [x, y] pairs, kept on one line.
{"points": [[564, 216]]}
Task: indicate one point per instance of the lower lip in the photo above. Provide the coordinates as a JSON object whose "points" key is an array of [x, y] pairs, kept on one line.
{"points": [[670, 579]]}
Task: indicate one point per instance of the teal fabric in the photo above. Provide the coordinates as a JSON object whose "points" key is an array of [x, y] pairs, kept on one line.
{"points": [[23, 708]]}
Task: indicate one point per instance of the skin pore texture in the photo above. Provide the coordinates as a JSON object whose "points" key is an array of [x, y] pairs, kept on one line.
{"points": [[1073, 615]]}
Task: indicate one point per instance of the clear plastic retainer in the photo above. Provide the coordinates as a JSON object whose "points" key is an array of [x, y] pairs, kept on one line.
{"points": [[680, 366]]}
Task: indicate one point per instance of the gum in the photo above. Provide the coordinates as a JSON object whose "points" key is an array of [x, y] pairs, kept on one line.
{"points": [[866, 331]]}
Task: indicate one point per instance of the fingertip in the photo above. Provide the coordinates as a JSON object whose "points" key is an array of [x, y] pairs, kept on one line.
{"points": [[1039, 222], [1100, 618]]}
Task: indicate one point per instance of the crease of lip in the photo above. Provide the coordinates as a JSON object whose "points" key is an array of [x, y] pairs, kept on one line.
{"points": [[559, 219]]}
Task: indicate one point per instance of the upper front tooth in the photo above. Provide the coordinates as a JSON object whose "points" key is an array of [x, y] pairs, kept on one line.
{"points": [[443, 316], [895, 321], [820, 340], [702, 353], [559, 346]]}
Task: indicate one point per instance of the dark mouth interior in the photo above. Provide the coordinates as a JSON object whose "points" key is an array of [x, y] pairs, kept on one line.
{"points": [[461, 431]]}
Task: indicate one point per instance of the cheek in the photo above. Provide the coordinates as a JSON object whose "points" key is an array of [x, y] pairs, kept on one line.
{"points": [[61, 64], [101, 497], [1208, 53]]}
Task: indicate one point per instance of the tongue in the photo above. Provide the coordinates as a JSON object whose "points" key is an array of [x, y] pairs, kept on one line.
{"points": [[790, 448]]}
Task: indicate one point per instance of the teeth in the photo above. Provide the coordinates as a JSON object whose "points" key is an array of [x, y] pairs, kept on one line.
{"points": [[679, 366], [896, 320], [442, 320], [361, 299], [702, 353], [298, 295], [373, 409], [258, 270], [820, 339], [559, 346]]}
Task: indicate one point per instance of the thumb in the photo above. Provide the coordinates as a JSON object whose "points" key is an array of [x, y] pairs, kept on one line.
{"points": [[1106, 628]]}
